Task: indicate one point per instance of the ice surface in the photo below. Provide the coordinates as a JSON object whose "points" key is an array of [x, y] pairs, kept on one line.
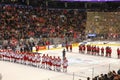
{"points": [[80, 67]]}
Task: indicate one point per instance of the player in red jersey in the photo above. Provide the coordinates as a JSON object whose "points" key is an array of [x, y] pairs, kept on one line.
{"points": [[65, 64], [118, 53], [109, 52], [89, 49], [97, 50], [80, 48], [67, 47], [70, 47], [26, 58], [102, 51], [93, 49], [83, 48]]}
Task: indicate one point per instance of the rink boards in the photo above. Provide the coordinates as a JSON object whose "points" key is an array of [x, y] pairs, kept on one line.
{"points": [[102, 43], [60, 46]]}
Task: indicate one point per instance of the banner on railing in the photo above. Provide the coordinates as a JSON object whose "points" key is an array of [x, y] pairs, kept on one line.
{"points": [[38, 48], [75, 44], [56, 46]]}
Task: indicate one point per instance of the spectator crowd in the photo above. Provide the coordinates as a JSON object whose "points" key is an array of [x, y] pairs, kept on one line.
{"points": [[20, 25], [112, 75]]}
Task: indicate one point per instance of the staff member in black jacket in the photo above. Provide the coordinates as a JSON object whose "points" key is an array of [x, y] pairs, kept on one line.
{"points": [[64, 53]]}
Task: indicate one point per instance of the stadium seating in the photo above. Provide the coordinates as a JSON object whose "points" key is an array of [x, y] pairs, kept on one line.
{"points": [[19, 23]]}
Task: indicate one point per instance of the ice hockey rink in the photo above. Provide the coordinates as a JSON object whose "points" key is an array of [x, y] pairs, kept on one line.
{"points": [[80, 66]]}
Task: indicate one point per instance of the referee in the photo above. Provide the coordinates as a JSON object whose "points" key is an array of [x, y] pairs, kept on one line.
{"points": [[64, 53]]}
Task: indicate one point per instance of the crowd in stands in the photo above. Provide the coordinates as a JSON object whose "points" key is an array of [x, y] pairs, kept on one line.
{"points": [[18, 23], [105, 24], [112, 75]]}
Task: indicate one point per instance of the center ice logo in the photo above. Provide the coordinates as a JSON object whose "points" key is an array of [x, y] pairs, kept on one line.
{"points": [[80, 61]]}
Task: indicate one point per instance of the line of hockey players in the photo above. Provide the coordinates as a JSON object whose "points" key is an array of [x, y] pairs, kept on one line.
{"points": [[35, 59], [96, 50]]}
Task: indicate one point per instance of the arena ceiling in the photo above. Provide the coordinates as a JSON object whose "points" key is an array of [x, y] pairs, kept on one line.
{"points": [[70, 4]]}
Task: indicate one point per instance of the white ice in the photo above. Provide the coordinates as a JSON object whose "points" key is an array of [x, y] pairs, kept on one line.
{"points": [[80, 67]]}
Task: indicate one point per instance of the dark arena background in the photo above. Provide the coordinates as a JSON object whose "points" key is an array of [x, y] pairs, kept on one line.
{"points": [[59, 39]]}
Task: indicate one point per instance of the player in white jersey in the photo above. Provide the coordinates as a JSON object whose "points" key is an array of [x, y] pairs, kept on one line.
{"points": [[4, 54], [50, 63], [54, 61], [30, 56], [58, 64], [33, 58], [8, 55], [12, 56], [65, 64], [38, 60], [21, 57], [47, 61], [43, 61]]}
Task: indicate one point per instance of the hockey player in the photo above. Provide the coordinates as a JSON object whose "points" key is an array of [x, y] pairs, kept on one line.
{"points": [[67, 47], [38, 60], [50, 63], [83, 48], [33, 61], [12, 56], [93, 50], [58, 67], [118, 53], [109, 52], [70, 47], [97, 50], [65, 64], [4, 54], [0, 54], [17, 56], [47, 61], [29, 61], [54, 62], [25, 58], [89, 49], [43, 61], [80, 48], [22, 57], [102, 51]]}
